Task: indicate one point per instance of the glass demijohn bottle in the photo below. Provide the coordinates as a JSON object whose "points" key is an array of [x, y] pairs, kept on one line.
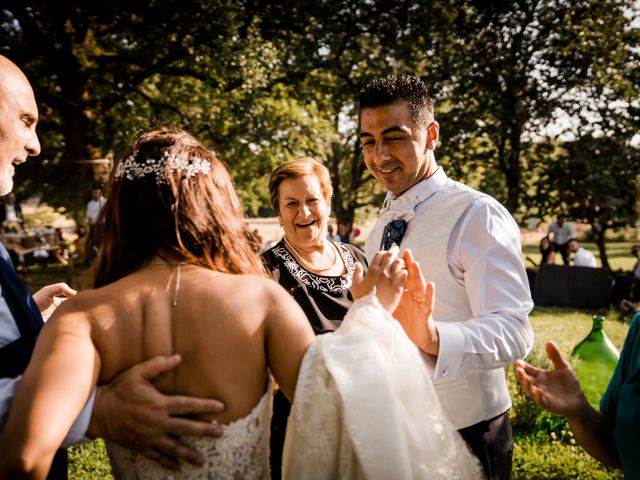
{"points": [[597, 358]]}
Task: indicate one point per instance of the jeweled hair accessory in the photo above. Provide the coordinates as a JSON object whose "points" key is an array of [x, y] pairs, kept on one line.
{"points": [[131, 170]]}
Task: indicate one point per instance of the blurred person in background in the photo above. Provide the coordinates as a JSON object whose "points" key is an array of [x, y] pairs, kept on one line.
{"points": [[561, 232]]}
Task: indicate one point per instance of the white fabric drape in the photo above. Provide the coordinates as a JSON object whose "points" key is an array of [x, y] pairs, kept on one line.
{"points": [[365, 407]]}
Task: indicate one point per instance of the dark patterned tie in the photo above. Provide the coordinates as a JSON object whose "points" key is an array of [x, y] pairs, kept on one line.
{"points": [[393, 233]]}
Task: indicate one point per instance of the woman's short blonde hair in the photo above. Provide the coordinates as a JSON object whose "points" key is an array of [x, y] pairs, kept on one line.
{"points": [[296, 168]]}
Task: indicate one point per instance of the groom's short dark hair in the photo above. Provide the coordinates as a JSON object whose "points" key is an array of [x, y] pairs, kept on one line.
{"points": [[400, 88]]}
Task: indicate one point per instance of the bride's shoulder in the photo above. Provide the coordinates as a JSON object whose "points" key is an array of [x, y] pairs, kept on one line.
{"points": [[75, 310], [255, 284], [255, 290], [230, 285]]}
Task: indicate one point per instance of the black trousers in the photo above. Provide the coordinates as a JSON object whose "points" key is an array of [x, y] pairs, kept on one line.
{"points": [[563, 248], [492, 442]]}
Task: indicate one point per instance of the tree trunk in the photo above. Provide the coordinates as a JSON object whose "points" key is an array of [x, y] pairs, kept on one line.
{"points": [[513, 174], [600, 242], [346, 168]]}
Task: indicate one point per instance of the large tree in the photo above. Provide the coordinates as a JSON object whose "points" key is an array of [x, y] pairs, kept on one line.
{"points": [[88, 63], [104, 72], [513, 69], [594, 181], [337, 47], [264, 81]]}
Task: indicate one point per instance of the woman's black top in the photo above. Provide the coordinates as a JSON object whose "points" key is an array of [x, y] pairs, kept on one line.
{"points": [[324, 299]]}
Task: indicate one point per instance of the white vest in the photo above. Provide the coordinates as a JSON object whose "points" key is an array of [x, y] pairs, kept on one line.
{"points": [[479, 395]]}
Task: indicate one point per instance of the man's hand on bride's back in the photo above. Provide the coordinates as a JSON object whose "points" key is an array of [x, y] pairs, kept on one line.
{"points": [[132, 412], [386, 272]]}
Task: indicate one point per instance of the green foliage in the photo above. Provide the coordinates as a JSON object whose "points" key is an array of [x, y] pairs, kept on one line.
{"points": [[264, 81], [89, 461], [513, 68], [555, 460]]}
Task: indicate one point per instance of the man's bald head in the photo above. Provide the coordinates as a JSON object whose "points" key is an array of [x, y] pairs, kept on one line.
{"points": [[9, 70], [18, 119]]}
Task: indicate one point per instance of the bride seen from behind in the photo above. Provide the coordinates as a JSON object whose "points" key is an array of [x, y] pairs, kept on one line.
{"points": [[177, 275]]}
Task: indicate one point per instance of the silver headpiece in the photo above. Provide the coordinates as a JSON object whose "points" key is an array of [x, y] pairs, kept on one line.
{"points": [[130, 169]]}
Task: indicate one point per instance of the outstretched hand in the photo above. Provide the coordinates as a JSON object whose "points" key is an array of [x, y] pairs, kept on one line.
{"points": [[50, 297], [415, 311], [132, 412], [386, 273], [557, 390]]}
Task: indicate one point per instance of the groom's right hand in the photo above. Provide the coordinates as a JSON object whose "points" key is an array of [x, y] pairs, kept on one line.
{"points": [[133, 413]]}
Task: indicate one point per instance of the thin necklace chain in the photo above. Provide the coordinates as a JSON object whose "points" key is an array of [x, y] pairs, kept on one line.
{"points": [[308, 265], [176, 289]]}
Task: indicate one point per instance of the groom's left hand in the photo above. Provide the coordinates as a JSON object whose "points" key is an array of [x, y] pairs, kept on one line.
{"points": [[132, 412], [415, 312]]}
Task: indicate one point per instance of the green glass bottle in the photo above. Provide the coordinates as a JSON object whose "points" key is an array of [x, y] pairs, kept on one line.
{"points": [[597, 361]]}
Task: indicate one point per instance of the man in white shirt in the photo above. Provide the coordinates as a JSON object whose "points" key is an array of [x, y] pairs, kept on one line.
{"points": [[129, 410], [581, 256], [94, 206], [561, 232], [469, 245]]}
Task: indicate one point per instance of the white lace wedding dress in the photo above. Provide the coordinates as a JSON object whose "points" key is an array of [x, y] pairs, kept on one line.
{"points": [[365, 407], [241, 453]]}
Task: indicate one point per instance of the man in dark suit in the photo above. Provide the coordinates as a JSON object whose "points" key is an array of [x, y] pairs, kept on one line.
{"points": [[129, 410]]}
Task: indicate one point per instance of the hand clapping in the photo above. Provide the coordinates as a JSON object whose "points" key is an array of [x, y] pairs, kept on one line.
{"points": [[415, 309], [387, 273], [403, 291]]}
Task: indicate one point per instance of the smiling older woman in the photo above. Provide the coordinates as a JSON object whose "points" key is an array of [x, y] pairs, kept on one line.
{"points": [[318, 273]]}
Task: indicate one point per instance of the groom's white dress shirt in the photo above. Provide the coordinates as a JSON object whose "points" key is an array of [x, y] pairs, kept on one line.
{"points": [[469, 245]]}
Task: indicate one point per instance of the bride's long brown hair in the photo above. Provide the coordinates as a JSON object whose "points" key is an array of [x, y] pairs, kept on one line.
{"points": [[178, 216]]}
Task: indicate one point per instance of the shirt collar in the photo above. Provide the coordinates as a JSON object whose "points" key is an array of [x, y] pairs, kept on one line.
{"points": [[423, 189]]}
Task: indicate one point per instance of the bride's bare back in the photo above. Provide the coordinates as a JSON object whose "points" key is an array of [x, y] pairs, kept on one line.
{"points": [[228, 329]]}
